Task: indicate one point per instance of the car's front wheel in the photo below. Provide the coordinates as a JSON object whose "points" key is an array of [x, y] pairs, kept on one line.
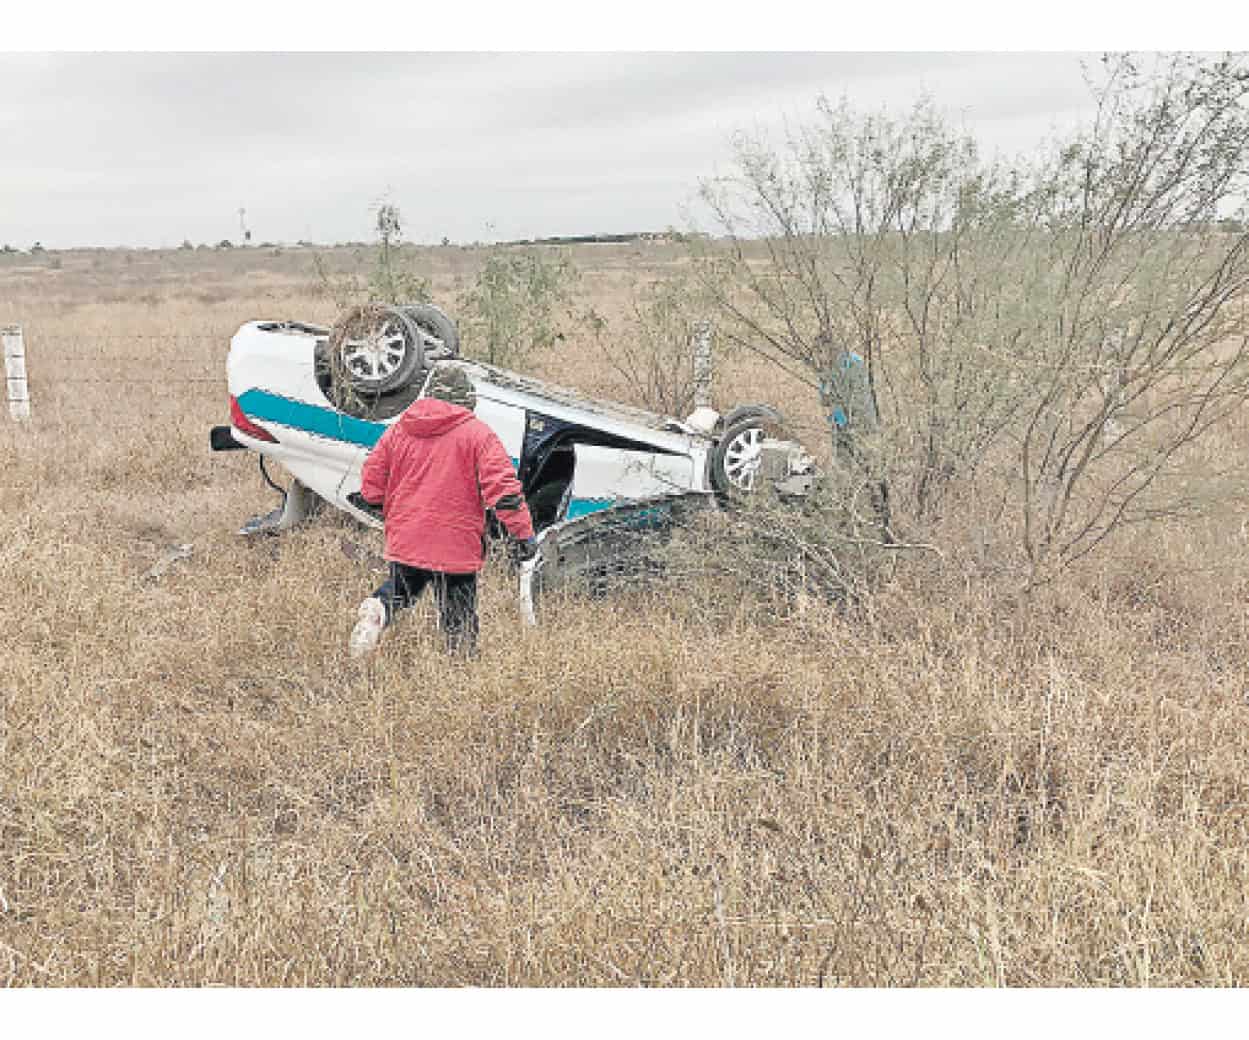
{"points": [[736, 457]]}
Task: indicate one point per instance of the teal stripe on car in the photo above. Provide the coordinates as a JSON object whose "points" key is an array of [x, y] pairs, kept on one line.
{"points": [[584, 506], [655, 516], [299, 415], [311, 418]]}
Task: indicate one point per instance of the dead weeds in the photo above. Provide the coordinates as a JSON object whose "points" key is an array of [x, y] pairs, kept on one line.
{"points": [[940, 787]]}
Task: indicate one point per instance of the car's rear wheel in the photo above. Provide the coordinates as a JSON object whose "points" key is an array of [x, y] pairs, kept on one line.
{"points": [[376, 358], [375, 349]]}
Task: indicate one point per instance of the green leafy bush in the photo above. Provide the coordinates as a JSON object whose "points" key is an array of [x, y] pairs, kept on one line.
{"points": [[517, 303]]}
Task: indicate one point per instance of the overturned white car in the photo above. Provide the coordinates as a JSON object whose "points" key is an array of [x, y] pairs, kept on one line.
{"points": [[317, 399]]}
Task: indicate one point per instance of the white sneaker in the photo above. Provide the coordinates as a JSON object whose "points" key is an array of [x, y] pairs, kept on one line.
{"points": [[368, 630]]}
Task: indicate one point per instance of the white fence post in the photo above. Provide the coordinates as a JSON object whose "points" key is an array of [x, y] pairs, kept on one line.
{"points": [[702, 364], [15, 372]]}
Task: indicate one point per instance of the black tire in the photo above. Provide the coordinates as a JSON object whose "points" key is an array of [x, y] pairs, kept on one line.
{"points": [[440, 339], [376, 350], [747, 411], [731, 473]]}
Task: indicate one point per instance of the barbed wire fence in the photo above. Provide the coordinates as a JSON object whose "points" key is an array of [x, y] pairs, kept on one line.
{"points": [[38, 363]]}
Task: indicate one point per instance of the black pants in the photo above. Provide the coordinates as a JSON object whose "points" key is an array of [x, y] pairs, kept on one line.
{"points": [[456, 595]]}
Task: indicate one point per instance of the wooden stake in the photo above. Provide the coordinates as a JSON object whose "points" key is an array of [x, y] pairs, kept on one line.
{"points": [[15, 372]]}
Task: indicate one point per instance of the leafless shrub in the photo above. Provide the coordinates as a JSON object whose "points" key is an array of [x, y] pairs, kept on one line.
{"points": [[784, 557], [1073, 325], [653, 351], [390, 279]]}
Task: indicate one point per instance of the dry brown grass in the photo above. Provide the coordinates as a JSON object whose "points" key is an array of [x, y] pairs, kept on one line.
{"points": [[198, 787]]}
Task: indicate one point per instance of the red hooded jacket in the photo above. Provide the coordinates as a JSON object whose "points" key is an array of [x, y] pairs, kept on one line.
{"points": [[435, 472]]}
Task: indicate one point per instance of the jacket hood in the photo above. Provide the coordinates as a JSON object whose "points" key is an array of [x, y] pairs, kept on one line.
{"points": [[430, 417]]}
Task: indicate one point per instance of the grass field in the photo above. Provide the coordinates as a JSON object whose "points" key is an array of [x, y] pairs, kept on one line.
{"points": [[197, 786]]}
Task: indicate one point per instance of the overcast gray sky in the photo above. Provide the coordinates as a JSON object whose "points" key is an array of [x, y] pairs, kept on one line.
{"points": [[146, 149]]}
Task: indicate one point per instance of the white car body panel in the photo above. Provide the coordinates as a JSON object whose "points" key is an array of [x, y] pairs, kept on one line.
{"points": [[604, 476]]}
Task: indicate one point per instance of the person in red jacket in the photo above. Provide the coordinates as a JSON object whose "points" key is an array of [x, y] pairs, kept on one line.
{"points": [[434, 474]]}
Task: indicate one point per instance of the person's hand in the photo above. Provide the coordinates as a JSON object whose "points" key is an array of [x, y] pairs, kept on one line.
{"points": [[524, 550]]}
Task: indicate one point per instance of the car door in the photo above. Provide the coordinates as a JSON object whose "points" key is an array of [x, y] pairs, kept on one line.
{"points": [[604, 476]]}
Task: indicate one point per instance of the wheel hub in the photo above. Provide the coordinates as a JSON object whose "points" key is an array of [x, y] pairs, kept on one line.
{"points": [[741, 459], [375, 356]]}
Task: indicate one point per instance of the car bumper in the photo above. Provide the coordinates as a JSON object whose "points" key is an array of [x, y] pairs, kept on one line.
{"points": [[221, 438]]}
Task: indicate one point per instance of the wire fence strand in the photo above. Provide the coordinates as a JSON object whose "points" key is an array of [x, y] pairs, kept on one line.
{"points": [[164, 381], [90, 359]]}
